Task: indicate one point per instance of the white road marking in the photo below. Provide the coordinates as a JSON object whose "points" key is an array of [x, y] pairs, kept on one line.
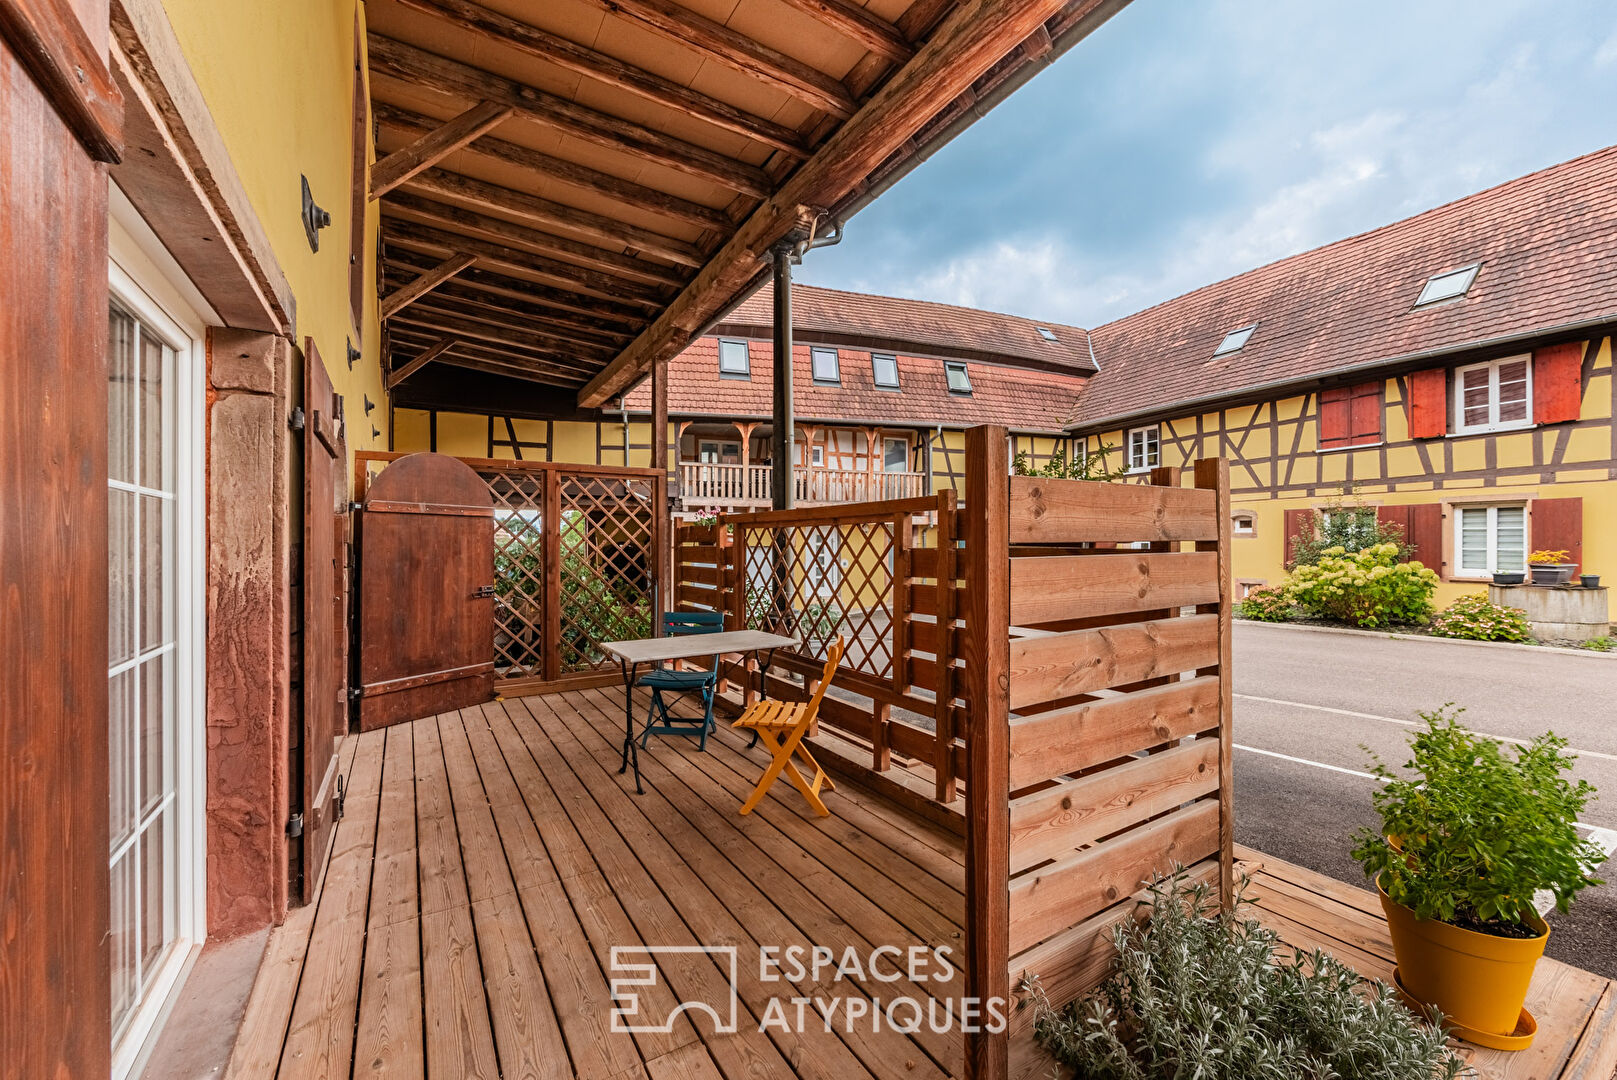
{"points": [[1411, 723]]}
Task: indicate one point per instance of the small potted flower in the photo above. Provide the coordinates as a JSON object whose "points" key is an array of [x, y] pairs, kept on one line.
{"points": [[1470, 835], [1551, 567]]}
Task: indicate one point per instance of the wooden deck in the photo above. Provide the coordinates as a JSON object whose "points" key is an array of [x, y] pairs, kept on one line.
{"points": [[490, 860], [1576, 1010]]}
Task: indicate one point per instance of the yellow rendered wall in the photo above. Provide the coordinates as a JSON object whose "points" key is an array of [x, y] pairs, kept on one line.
{"points": [[577, 442], [1276, 465], [278, 78]]}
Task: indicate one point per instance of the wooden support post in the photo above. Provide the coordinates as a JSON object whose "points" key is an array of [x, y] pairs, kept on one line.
{"points": [[659, 461], [550, 525], [434, 146], [943, 710], [1214, 473], [784, 495], [988, 818]]}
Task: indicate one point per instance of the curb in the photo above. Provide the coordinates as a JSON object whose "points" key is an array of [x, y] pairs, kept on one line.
{"points": [[1429, 638]]}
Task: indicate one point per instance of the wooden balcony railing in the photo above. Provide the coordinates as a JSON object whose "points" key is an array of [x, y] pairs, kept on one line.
{"points": [[751, 485]]}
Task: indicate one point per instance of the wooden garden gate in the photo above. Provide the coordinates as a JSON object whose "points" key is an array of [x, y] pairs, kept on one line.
{"points": [[573, 563]]}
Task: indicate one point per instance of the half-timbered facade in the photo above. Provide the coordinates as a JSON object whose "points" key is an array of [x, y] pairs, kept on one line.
{"points": [[1453, 370]]}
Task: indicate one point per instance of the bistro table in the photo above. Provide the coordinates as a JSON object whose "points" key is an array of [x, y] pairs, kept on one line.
{"points": [[631, 654]]}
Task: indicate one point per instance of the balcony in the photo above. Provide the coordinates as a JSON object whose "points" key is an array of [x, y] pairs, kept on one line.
{"points": [[709, 483]]}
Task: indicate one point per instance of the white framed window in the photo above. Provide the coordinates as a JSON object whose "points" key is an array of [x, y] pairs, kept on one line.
{"points": [[823, 362], [895, 454], [1488, 539], [155, 659], [1144, 448], [817, 456], [884, 370], [1447, 285], [1244, 523], [718, 452], [959, 380], [1235, 340], [1495, 396], [734, 359]]}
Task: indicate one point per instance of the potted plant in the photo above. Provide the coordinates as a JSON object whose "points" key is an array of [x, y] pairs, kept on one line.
{"points": [[1509, 577], [1469, 835], [1590, 581], [1551, 567]]}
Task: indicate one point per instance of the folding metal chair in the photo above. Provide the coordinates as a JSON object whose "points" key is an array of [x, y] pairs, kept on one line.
{"points": [[782, 725], [659, 721]]}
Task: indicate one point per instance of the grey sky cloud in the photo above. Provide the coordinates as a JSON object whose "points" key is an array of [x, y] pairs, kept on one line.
{"points": [[1187, 141]]}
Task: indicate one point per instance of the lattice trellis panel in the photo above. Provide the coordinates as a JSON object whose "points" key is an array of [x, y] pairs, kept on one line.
{"points": [[607, 561], [519, 572], [818, 581]]}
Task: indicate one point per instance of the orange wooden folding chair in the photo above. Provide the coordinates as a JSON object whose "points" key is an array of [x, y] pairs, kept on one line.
{"points": [[782, 725]]}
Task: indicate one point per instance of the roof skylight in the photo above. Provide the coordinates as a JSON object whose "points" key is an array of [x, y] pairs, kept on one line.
{"points": [[1448, 285], [1048, 335], [1235, 340]]}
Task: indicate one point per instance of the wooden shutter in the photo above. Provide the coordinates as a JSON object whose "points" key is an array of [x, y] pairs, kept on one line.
{"points": [[1367, 413], [1557, 383], [1394, 515], [1558, 526], [1428, 404], [1299, 523], [1423, 530], [1350, 415]]}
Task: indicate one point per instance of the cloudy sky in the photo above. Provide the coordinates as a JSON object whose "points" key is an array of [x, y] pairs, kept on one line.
{"points": [[1188, 140]]}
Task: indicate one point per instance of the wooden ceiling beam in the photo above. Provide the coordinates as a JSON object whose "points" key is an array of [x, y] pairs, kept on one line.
{"points": [[470, 301], [422, 359], [503, 364], [434, 146], [582, 177], [403, 204], [565, 275], [504, 355], [422, 68], [405, 294], [502, 319], [975, 36], [544, 212], [857, 24], [503, 29], [575, 308], [424, 315], [738, 52]]}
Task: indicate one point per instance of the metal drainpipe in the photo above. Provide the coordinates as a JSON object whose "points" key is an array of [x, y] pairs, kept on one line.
{"points": [[782, 438]]}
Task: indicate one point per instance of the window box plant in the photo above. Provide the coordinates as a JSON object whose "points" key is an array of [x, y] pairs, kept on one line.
{"points": [[1551, 567], [1469, 834], [1509, 577]]}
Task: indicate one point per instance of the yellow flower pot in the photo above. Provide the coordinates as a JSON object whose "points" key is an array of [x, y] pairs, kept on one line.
{"points": [[1479, 981]]}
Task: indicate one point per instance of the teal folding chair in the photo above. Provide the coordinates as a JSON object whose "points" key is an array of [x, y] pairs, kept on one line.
{"points": [[665, 681]]}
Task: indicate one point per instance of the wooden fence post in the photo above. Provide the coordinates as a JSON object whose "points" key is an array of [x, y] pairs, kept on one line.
{"points": [[1214, 473], [988, 819]]}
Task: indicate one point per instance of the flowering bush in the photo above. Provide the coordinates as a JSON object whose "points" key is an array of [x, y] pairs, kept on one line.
{"points": [[1549, 558], [1270, 603], [1367, 588], [1475, 618]]}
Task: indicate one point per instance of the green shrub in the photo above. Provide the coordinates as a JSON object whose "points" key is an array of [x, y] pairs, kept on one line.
{"points": [[1479, 831], [1599, 644], [1366, 588], [1269, 603], [1352, 528], [1198, 993], [1474, 617]]}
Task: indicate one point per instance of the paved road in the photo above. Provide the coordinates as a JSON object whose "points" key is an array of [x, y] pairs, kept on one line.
{"points": [[1305, 702]]}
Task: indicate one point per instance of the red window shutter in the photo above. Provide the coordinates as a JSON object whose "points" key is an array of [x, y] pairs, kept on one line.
{"points": [[1335, 417], [1424, 533], [1394, 515], [1367, 413], [1299, 523], [1428, 404], [1558, 526], [1557, 383]]}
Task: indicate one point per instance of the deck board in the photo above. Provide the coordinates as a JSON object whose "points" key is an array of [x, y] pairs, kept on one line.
{"points": [[491, 860]]}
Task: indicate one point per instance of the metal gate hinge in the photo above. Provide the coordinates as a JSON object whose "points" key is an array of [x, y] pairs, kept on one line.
{"points": [[296, 421], [294, 825], [356, 507], [341, 801]]}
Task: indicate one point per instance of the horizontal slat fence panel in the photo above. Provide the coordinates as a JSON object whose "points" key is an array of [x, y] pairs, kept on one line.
{"points": [[1075, 587], [1083, 661], [1080, 511]]}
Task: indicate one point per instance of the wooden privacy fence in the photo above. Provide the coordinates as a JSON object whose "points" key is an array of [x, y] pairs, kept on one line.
{"points": [[1061, 647], [575, 564]]}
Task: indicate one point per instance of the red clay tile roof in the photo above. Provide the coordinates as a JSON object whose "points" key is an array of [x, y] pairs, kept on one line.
{"points": [[1023, 400], [1547, 243], [919, 327]]}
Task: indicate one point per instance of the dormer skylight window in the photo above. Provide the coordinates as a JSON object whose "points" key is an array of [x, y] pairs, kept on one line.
{"points": [[1049, 335], [884, 369], [1235, 340], [959, 381], [1448, 285]]}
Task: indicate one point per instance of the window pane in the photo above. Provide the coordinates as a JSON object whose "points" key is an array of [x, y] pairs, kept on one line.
{"points": [[1513, 391], [733, 357], [156, 919], [156, 540], [1511, 540], [897, 456], [958, 379], [125, 976], [156, 378], [121, 720], [155, 729], [824, 362], [1474, 539], [121, 397], [120, 575], [885, 369]]}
